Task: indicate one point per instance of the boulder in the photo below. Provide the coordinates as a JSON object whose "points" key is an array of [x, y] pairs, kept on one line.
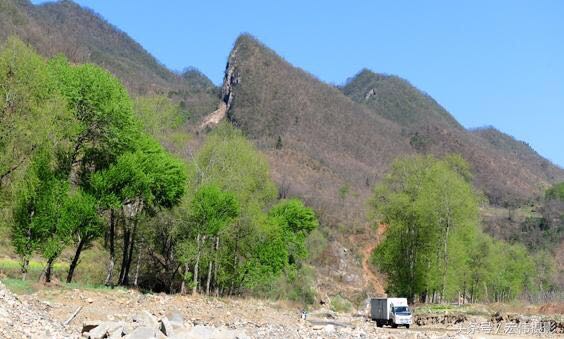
{"points": [[329, 329], [104, 330], [146, 319], [209, 332], [89, 325], [142, 332], [175, 317], [166, 327]]}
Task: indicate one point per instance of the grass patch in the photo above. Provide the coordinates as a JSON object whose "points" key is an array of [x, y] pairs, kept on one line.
{"points": [[18, 286], [12, 269], [340, 304]]}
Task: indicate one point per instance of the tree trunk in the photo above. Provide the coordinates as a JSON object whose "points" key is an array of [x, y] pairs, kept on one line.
{"points": [[209, 277], [215, 268], [74, 262], [49, 270], [195, 288], [136, 281], [183, 285], [125, 280], [112, 262], [125, 252], [446, 254], [25, 265]]}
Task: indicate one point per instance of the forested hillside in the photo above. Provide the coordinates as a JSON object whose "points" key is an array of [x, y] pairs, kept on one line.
{"points": [[325, 141], [506, 169], [332, 149], [322, 145], [94, 170], [83, 36], [103, 165]]}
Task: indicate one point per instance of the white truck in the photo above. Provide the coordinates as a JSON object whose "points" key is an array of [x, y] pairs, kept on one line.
{"points": [[390, 311]]}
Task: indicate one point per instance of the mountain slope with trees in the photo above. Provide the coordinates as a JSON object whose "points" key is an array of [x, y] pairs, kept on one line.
{"points": [[326, 146], [216, 211], [506, 169], [83, 36]]}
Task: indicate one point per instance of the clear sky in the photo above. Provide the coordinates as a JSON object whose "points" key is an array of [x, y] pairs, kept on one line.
{"points": [[497, 63]]}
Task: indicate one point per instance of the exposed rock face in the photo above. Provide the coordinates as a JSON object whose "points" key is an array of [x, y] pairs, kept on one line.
{"points": [[231, 79]]}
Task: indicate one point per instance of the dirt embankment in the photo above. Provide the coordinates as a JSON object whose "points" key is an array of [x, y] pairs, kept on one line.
{"points": [[372, 279]]}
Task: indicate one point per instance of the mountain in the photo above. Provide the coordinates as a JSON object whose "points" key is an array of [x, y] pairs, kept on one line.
{"points": [[520, 150], [396, 99], [84, 36], [505, 169], [321, 144], [327, 143]]}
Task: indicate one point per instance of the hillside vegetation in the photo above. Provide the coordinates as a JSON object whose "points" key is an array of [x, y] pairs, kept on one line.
{"points": [[324, 141], [83, 36], [434, 248], [102, 163], [506, 170], [321, 145], [397, 100], [210, 224]]}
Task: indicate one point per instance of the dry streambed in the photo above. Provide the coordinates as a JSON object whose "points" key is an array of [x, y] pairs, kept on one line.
{"points": [[129, 314]]}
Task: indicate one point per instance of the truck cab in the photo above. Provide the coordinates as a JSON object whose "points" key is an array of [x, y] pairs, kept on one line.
{"points": [[401, 315], [390, 311]]}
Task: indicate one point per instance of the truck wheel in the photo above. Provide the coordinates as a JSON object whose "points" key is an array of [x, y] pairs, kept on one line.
{"points": [[379, 324], [394, 325], [407, 326]]}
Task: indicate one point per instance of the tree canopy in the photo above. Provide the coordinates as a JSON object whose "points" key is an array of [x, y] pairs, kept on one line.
{"points": [[433, 248]]}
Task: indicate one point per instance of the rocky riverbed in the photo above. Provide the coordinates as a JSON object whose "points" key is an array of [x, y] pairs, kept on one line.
{"points": [[72, 313]]}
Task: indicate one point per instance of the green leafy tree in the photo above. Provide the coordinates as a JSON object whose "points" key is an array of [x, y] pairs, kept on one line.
{"points": [[163, 119], [105, 122], [85, 224], [297, 222], [230, 162], [26, 236], [41, 222], [147, 179], [432, 213], [28, 98], [555, 192], [211, 211]]}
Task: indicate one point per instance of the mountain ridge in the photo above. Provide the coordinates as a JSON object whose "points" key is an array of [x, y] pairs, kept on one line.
{"points": [[350, 132], [268, 94], [82, 35]]}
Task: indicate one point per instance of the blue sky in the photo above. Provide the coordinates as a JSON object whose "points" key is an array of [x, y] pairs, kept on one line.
{"points": [[497, 63]]}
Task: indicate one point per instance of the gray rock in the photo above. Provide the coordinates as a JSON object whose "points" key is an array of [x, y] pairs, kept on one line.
{"points": [[175, 317], [142, 333], [166, 327], [117, 333], [200, 331], [104, 329], [88, 326], [209, 332], [146, 319]]}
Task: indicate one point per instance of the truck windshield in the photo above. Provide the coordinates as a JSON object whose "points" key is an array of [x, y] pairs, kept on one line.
{"points": [[401, 309]]}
